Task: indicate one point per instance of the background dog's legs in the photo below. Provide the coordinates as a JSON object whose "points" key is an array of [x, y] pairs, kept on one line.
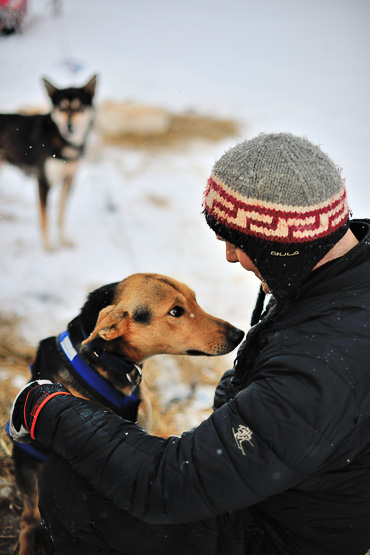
{"points": [[43, 196], [66, 187]]}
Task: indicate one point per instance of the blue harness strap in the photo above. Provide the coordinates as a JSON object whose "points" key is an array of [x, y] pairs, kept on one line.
{"points": [[35, 453], [122, 404], [95, 381]]}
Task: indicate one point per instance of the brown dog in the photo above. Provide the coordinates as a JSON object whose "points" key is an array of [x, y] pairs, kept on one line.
{"points": [[98, 357]]}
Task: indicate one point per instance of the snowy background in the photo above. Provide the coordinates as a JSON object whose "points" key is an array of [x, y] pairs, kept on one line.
{"points": [[272, 65]]}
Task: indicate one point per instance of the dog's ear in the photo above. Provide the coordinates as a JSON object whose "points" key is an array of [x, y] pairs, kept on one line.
{"points": [[112, 322], [90, 86], [51, 90]]}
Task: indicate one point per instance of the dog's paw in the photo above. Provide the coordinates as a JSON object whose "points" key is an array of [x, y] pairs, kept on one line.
{"points": [[66, 242], [48, 247]]}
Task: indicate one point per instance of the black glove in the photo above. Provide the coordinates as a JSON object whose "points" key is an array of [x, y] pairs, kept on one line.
{"points": [[27, 405]]}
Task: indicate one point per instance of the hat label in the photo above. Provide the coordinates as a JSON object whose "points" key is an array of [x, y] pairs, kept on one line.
{"points": [[275, 253]]}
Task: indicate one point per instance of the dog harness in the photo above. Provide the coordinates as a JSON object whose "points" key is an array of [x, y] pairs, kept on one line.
{"points": [[123, 405], [36, 453], [94, 382]]}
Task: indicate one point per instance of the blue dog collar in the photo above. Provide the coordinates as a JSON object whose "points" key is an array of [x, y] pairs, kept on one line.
{"points": [[94, 380]]}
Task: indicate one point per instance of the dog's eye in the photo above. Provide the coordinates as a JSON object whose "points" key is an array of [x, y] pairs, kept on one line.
{"points": [[176, 311]]}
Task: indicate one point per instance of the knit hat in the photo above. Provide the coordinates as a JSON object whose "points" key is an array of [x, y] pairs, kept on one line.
{"points": [[282, 201]]}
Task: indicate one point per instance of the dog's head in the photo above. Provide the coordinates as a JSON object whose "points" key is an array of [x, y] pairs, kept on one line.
{"points": [[73, 110], [152, 314]]}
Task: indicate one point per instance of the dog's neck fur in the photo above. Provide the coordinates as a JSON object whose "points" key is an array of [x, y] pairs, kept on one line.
{"points": [[76, 140], [63, 147]]}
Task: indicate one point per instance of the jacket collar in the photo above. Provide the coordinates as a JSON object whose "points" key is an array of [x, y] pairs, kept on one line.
{"points": [[331, 275], [339, 277]]}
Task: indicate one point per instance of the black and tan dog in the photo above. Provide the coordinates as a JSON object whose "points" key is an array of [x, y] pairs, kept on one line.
{"points": [[98, 357], [50, 146]]}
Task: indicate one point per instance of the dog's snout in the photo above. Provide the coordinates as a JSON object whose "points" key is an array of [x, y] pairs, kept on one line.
{"points": [[235, 335]]}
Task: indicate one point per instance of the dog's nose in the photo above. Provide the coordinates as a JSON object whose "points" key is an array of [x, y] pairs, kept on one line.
{"points": [[236, 335]]}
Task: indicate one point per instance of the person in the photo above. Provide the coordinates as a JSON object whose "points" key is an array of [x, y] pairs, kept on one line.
{"points": [[282, 465]]}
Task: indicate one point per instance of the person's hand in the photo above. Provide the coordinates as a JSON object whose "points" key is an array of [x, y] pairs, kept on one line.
{"points": [[27, 406]]}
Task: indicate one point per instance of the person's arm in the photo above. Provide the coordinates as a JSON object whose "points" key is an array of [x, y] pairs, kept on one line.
{"points": [[261, 443], [203, 473]]}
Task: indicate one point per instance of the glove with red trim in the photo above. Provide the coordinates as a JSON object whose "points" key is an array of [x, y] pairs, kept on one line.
{"points": [[27, 406]]}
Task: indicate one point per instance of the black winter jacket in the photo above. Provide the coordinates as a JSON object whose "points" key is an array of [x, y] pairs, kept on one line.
{"points": [[294, 444]]}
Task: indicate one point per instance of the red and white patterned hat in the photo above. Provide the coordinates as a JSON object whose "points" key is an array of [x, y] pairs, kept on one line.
{"points": [[282, 201]]}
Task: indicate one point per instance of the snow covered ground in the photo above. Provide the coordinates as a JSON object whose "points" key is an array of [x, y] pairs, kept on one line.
{"points": [[291, 66]]}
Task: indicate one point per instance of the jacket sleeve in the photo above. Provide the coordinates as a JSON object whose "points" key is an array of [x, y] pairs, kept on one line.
{"points": [[255, 446], [224, 390]]}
